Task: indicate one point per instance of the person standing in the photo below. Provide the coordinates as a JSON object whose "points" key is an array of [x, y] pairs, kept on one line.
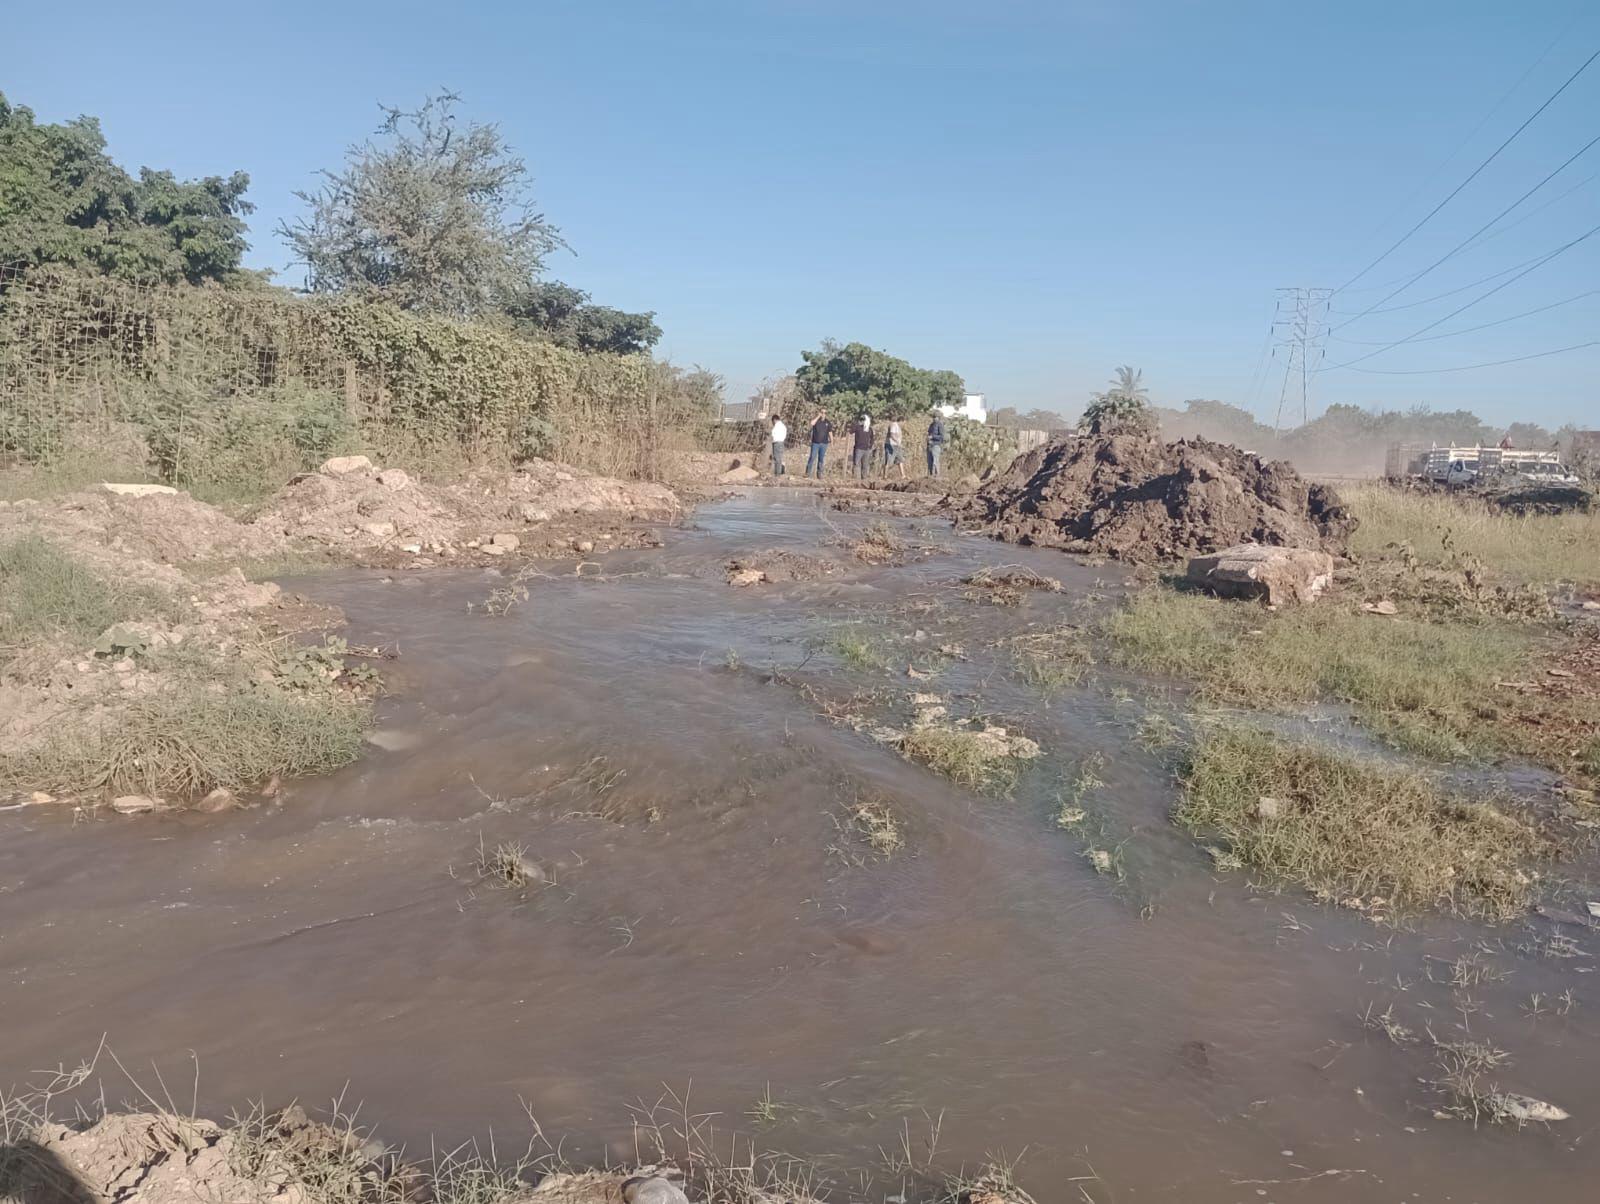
{"points": [[780, 434], [821, 434], [894, 448], [935, 444], [862, 453]]}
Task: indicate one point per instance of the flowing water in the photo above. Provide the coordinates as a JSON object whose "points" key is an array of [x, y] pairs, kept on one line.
{"points": [[674, 753]]}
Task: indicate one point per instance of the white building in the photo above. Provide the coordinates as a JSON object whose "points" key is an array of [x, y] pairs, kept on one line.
{"points": [[972, 406]]}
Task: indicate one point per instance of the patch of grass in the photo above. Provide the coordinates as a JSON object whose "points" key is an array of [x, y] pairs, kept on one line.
{"points": [[1052, 660], [969, 758], [876, 822], [1530, 548], [191, 739], [1355, 831], [1425, 685], [1007, 585], [856, 648], [48, 598], [508, 863]]}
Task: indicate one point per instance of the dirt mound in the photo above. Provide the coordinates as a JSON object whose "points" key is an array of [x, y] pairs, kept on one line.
{"points": [[1140, 499]]}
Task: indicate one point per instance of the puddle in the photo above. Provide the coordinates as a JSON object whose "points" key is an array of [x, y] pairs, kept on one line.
{"points": [[653, 740]]}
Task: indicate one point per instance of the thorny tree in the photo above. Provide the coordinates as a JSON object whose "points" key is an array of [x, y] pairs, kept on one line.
{"points": [[433, 215]]}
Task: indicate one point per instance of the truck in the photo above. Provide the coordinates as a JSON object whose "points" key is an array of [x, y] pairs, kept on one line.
{"points": [[1457, 465]]}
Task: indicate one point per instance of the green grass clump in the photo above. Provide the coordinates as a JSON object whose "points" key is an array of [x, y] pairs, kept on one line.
{"points": [[192, 739], [968, 758], [1538, 548], [1355, 830], [1424, 684], [47, 598], [857, 648]]}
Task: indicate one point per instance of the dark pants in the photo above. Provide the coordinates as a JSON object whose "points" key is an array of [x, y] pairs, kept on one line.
{"points": [[819, 452], [863, 460]]}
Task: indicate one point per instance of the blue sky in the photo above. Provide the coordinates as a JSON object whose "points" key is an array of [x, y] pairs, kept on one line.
{"points": [[1030, 193]]}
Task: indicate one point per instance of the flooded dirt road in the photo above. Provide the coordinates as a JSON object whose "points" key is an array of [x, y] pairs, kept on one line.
{"points": [[675, 756]]}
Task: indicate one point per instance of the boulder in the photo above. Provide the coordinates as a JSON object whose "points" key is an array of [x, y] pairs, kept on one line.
{"points": [[741, 475], [394, 479], [134, 804], [341, 466], [652, 1190], [1251, 570], [136, 490], [506, 540]]}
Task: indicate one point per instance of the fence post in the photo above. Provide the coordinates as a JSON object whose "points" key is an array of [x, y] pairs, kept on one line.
{"points": [[352, 393]]}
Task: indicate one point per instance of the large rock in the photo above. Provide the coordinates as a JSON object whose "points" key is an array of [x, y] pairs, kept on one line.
{"points": [[341, 466], [136, 490], [1252, 570]]}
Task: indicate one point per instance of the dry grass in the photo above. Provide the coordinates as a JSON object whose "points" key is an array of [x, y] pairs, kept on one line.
{"points": [[1532, 548], [1007, 585], [1355, 831], [971, 758], [1053, 659], [192, 739]]}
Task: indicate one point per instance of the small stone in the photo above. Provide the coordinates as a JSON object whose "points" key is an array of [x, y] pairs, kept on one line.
{"points": [[1561, 673], [134, 804], [379, 530], [412, 548], [529, 513], [220, 799], [38, 798], [494, 549], [1590, 604], [394, 479], [340, 466], [1594, 910], [746, 577], [273, 787], [1523, 1108], [564, 477], [125, 665], [584, 546], [1269, 808], [1384, 607], [506, 540]]}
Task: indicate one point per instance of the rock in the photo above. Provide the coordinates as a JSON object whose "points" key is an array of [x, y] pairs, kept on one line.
{"points": [[1250, 570], [746, 577], [379, 530], [654, 1190], [1594, 910], [394, 479], [1507, 1105], [340, 466], [138, 490], [494, 549], [1383, 607], [742, 475], [414, 548], [273, 788], [584, 546], [506, 540], [1590, 604], [529, 513], [1269, 808], [220, 799], [135, 804]]}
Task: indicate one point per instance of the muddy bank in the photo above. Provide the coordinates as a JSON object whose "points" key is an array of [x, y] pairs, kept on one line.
{"points": [[1136, 498]]}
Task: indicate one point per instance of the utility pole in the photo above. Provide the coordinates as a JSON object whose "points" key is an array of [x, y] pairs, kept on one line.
{"points": [[1301, 326]]}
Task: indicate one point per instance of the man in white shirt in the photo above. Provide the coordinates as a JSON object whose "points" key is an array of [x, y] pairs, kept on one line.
{"points": [[893, 448], [780, 433]]}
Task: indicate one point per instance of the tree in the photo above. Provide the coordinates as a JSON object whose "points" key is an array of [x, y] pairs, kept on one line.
{"points": [[1530, 435], [858, 378], [1124, 407], [564, 315], [433, 216], [63, 201]]}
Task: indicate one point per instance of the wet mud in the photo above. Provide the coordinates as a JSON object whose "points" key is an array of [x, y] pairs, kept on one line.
{"points": [[678, 762]]}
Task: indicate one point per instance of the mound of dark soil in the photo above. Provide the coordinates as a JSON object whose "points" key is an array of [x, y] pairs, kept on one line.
{"points": [[1137, 498]]}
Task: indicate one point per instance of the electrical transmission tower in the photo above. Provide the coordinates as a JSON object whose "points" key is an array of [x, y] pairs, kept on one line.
{"points": [[1300, 325]]}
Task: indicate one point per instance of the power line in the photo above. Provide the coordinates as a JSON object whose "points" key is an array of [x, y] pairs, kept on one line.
{"points": [[1476, 171], [1467, 241], [1307, 326], [1450, 334], [1392, 309], [1540, 262], [1516, 359], [1536, 211]]}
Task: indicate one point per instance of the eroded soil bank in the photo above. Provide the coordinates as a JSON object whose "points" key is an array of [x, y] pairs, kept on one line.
{"points": [[681, 763]]}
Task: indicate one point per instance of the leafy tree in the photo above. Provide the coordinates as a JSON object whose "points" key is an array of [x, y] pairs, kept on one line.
{"points": [[433, 216], [63, 201], [1530, 435], [856, 378], [564, 315], [1124, 407]]}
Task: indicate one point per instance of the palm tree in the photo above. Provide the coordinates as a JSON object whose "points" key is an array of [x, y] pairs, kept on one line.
{"points": [[1128, 385], [1125, 406]]}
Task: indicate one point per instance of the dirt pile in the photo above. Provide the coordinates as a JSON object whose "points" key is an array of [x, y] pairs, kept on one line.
{"points": [[1137, 498]]}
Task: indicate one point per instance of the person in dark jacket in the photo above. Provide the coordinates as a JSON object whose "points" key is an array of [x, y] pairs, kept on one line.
{"points": [[861, 454], [935, 444], [821, 435]]}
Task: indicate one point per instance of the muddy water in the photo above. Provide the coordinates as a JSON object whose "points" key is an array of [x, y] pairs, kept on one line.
{"points": [[656, 741]]}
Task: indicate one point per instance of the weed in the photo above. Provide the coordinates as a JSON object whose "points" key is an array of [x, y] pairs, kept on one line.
{"points": [[501, 600], [879, 545], [1007, 585], [1465, 1077], [856, 648], [1385, 1023], [1070, 811], [1356, 831], [509, 865]]}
